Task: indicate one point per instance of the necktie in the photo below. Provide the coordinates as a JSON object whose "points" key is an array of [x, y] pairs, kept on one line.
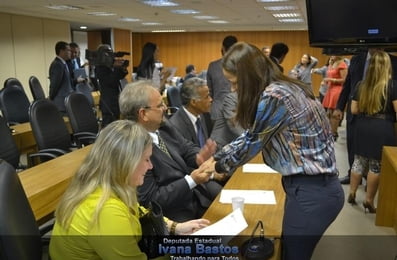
{"points": [[75, 65], [200, 133], [162, 146]]}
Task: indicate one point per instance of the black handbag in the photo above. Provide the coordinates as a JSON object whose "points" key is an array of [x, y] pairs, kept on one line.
{"points": [[153, 229], [257, 248]]}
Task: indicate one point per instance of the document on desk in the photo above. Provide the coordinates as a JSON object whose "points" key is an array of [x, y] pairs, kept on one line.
{"points": [[231, 225], [258, 168], [250, 196]]}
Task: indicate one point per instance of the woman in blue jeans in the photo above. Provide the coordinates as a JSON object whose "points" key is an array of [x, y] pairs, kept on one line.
{"points": [[285, 121]]}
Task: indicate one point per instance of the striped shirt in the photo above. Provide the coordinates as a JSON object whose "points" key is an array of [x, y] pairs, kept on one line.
{"points": [[293, 132]]}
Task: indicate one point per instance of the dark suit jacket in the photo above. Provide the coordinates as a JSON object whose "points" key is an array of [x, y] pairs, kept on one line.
{"points": [[354, 75], [218, 85], [60, 83], [165, 183], [185, 127]]}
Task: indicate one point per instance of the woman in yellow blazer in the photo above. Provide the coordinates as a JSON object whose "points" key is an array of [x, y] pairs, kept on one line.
{"points": [[98, 216]]}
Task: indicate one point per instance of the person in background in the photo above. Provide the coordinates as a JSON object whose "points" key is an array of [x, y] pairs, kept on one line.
{"points": [[226, 129], [109, 73], [336, 75], [75, 63], [98, 215], [374, 105], [266, 50], [278, 52], [285, 121], [190, 72], [218, 85], [356, 73], [61, 84], [303, 70], [150, 67], [323, 85], [179, 180]]}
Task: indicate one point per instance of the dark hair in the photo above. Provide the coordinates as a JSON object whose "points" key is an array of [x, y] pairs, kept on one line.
{"points": [[73, 45], [279, 49], [146, 66], [228, 42], [189, 68], [254, 72], [61, 45]]}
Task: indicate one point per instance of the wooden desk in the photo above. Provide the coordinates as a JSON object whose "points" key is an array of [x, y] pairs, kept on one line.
{"points": [[386, 212], [271, 215], [45, 183], [24, 139]]}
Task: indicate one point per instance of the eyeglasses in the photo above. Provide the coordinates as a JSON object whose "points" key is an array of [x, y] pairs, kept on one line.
{"points": [[160, 106]]}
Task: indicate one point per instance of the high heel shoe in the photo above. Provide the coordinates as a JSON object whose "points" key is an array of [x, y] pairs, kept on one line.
{"points": [[352, 199], [335, 136], [369, 207]]}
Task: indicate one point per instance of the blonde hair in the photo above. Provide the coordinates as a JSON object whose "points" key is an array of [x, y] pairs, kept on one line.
{"points": [[112, 160], [373, 89]]}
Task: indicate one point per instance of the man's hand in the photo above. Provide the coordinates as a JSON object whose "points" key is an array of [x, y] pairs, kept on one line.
{"points": [[206, 152]]}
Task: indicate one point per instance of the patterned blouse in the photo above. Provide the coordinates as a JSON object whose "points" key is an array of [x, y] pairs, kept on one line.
{"points": [[292, 131]]}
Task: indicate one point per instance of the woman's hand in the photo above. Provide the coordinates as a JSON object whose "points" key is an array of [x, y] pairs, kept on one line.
{"points": [[191, 226]]}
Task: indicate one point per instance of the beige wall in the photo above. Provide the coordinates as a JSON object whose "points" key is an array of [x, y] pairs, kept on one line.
{"points": [[27, 47]]}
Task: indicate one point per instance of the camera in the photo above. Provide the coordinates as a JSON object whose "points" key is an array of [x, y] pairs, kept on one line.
{"points": [[105, 57]]}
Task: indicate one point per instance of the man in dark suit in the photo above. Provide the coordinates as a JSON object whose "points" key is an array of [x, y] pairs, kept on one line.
{"points": [[277, 54], [355, 74], [60, 80], [196, 100], [179, 180], [219, 86]]}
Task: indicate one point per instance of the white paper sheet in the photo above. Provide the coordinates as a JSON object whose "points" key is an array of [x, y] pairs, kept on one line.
{"points": [[231, 225], [250, 196], [258, 168]]}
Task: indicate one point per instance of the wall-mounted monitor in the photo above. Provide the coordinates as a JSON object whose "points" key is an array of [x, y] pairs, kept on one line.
{"points": [[353, 23]]}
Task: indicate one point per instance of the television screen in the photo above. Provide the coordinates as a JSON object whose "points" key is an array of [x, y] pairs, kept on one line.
{"points": [[341, 23]]}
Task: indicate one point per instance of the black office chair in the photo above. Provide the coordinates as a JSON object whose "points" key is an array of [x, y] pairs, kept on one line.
{"points": [[86, 90], [174, 97], [8, 149], [49, 130], [82, 119], [36, 88], [14, 105], [13, 82], [20, 237]]}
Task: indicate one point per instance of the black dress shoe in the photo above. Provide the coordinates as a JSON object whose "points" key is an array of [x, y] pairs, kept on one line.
{"points": [[345, 180]]}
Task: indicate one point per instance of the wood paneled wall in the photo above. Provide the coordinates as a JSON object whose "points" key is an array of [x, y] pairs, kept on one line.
{"points": [[200, 48]]}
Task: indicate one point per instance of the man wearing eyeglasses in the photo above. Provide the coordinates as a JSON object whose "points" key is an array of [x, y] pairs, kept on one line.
{"points": [[179, 180]]}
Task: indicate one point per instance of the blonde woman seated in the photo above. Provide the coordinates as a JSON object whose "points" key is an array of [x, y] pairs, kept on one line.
{"points": [[98, 216]]}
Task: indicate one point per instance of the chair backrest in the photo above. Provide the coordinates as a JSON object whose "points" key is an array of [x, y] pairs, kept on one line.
{"points": [[14, 104], [86, 90], [48, 126], [174, 97], [8, 149], [20, 236], [81, 115], [13, 82], [36, 88]]}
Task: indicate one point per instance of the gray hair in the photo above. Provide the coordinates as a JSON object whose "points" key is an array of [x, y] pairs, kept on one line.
{"points": [[190, 88], [134, 96]]}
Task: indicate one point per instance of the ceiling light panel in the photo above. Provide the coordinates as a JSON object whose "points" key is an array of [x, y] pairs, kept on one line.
{"points": [[63, 7], [218, 21], [205, 17], [286, 15], [281, 8], [291, 20], [185, 11], [160, 3]]}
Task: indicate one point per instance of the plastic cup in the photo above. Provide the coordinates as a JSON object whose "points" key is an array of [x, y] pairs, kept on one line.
{"points": [[238, 203]]}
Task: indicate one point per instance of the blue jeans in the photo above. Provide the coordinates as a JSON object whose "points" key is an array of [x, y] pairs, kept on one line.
{"points": [[312, 204]]}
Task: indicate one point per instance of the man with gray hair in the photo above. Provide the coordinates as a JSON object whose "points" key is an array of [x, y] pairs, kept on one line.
{"points": [[196, 100], [179, 180]]}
